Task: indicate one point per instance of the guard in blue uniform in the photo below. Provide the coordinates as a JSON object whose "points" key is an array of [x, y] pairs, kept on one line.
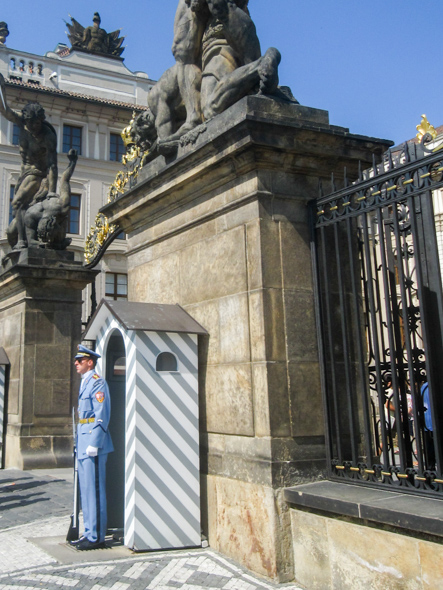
{"points": [[93, 445]]}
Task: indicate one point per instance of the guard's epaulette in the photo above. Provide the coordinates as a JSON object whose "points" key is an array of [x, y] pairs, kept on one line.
{"points": [[95, 376]]}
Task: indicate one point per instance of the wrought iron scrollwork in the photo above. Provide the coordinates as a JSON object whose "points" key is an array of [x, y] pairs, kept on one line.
{"points": [[98, 237]]}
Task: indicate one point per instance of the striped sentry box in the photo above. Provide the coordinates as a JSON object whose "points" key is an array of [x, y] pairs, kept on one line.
{"points": [[162, 462]]}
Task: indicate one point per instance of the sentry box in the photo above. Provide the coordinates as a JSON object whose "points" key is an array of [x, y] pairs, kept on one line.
{"points": [[150, 361]]}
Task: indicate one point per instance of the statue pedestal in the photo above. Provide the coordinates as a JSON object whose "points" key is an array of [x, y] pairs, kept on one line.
{"points": [[40, 327], [223, 231]]}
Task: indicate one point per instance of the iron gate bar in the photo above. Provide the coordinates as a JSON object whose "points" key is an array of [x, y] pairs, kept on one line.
{"points": [[365, 400], [331, 353], [387, 283], [432, 337], [404, 290], [385, 325], [395, 341], [421, 279], [318, 319], [373, 326], [344, 330]]}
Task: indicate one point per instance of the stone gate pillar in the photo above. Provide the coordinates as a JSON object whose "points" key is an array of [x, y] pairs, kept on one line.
{"points": [[40, 327], [223, 231]]}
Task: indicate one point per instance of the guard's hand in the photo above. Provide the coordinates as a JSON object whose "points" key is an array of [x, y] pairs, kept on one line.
{"points": [[92, 451]]}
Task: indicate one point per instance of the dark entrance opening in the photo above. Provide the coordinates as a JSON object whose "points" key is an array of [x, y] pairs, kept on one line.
{"points": [[115, 473]]}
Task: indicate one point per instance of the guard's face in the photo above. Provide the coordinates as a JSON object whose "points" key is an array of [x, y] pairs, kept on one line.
{"points": [[83, 365]]}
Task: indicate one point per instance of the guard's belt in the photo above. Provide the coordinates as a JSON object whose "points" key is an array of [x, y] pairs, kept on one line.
{"points": [[86, 420]]}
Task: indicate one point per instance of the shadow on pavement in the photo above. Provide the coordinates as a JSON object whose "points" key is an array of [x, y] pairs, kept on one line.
{"points": [[17, 498], [14, 487]]}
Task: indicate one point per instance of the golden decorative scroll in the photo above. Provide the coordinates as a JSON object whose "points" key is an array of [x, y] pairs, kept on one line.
{"points": [[97, 236], [425, 128]]}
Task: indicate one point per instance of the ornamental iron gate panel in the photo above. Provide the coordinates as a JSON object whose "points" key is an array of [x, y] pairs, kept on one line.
{"points": [[380, 324]]}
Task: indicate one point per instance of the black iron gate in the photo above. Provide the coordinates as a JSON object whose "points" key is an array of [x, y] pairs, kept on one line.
{"points": [[380, 324]]}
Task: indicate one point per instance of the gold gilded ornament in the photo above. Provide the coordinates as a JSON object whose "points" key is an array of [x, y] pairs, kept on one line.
{"points": [[97, 236], [425, 128], [126, 133]]}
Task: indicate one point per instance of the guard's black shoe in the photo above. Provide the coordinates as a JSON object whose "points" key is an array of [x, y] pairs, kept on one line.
{"points": [[77, 541], [86, 544]]}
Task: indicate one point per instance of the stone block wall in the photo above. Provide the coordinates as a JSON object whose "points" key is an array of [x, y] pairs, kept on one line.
{"points": [[40, 327], [223, 231]]}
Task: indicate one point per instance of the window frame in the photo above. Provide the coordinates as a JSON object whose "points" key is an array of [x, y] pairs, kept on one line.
{"points": [[120, 145], [73, 208], [15, 134], [71, 127], [114, 296]]}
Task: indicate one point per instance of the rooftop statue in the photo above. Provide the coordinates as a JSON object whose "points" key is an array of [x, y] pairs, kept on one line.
{"points": [[4, 32], [40, 214], [93, 39], [218, 61]]}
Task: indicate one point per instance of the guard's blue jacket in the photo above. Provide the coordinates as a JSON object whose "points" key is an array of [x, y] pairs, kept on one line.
{"points": [[94, 411]]}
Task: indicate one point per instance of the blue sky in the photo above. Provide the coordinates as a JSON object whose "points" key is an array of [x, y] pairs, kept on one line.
{"points": [[372, 64]]}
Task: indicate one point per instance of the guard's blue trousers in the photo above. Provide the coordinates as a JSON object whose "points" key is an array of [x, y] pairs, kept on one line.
{"points": [[92, 479]]}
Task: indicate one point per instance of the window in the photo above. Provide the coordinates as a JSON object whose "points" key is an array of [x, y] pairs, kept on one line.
{"points": [[116, 286], [74, 214], [166, 361], [72, 138], [15, 134], [11, 196], [117, 148], [121, 236]]}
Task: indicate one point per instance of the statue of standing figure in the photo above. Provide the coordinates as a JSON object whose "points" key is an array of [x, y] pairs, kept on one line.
{"points": [[38, 179], [218, 61], [94, 39]]}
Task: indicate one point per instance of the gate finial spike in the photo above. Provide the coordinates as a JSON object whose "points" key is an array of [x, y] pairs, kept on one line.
{"points": [[407, 155], [333, 187], [390, 160], [320, 188], [360, 174], [345, 177], [374, 165]]}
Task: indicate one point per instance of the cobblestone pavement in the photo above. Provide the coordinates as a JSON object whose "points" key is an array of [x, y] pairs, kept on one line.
{"points": [[29, 496], [34, 517], [184, 570]]}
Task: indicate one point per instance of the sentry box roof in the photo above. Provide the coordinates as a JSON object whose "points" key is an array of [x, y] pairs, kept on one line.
{"points": [[149, 317]]}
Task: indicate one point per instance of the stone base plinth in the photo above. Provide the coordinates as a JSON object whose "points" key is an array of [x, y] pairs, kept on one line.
{"points": [[333, 553], [40, 326], [223, 231]]}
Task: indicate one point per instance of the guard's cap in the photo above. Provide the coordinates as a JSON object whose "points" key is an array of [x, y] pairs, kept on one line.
{"points": [[83, 352]]}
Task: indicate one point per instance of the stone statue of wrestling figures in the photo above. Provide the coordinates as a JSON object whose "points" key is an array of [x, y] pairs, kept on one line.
{"points": [[218, 61], [40, 214]]}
